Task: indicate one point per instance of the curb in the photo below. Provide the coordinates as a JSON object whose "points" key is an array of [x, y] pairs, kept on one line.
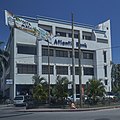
{"points": [[68, 110], [6, 105]]}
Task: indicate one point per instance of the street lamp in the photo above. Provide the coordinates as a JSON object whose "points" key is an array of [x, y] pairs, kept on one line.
{"points": [[49, 96], [79, 61], [73, 63], [49, 74]]}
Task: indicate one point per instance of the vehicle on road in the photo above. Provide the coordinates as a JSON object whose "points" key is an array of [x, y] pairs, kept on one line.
{"points": [[21, 100]]}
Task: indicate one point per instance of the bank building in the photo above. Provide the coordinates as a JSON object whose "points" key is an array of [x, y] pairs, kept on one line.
{"points": [[29, 55]]}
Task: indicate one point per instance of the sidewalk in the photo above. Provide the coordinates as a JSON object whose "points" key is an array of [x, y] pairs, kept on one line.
{"points": [[67, 110], [3, 106]]}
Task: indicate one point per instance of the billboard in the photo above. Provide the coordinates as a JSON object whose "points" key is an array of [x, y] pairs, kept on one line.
{"points": [[26, 26]]}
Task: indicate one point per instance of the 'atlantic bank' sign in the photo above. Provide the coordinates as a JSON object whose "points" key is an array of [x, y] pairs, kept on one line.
{"points": [[68, 43]]}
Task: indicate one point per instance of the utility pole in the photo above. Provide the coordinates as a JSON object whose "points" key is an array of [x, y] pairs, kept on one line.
{"points": [[79, 61], [49, 74], [73, 63]]}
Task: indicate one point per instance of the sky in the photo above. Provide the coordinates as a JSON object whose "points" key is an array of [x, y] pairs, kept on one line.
{"points": [[90, 12]]}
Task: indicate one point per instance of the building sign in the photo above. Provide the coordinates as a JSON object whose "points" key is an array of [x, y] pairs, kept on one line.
{"points": [[81, 45], [9, 81], [62, 43], [67, 43], [26, 26]]}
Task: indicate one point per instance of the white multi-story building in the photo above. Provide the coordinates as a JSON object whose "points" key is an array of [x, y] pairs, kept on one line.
{"points": [[29, 56]]}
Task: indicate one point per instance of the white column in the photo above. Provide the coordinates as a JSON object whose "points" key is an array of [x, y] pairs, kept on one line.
{"points": [[53, 30], [39, 57]]}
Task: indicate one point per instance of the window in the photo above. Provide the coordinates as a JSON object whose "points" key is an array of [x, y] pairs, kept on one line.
{"points": [[76, 54], [63, 34], [26, 69], [102, 40], [70, 35], [45, 69], [88, 71], [46, 27], [106, 82], [61, 53], [26, 49], [105, 71], [75, 35], [61, 31], [104, 54], [87, 35], [45, 52], [87, 55], [62, 70], [76, 70]]}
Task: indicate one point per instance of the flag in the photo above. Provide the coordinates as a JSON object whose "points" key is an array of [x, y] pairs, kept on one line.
{"points": [[26, 26], [44, 35], [9, 20]]}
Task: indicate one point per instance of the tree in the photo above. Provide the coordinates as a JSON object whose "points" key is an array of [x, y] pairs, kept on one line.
{"points": [[60, 90], [3, 61], [115, 75], [95, 89], [40, 89]]}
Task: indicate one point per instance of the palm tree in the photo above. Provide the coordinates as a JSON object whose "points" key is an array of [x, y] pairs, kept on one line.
{"points": [[40, 89], [61, 88], [39, 80], [94, 89]]}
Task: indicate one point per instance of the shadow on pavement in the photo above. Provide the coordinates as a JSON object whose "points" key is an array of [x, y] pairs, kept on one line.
{"points": [[13, 115], [103, 119]]}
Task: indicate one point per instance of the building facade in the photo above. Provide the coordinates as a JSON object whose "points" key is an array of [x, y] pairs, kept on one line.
{"points": [[29, 56]]}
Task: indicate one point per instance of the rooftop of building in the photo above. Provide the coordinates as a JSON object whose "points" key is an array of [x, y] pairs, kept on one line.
{"points": [[60, 21]]}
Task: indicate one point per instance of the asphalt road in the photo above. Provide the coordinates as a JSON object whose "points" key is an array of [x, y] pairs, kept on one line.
{"points": [[13, 114]]}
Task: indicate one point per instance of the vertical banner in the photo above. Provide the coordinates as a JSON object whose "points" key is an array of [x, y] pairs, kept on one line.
{"points": [[26, 26], [9, 19]]}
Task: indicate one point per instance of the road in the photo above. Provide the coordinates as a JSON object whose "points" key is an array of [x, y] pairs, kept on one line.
{"points": [[13, 114]]}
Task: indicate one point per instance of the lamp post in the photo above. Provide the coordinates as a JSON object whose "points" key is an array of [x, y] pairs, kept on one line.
{"points": [[79, 61], [73, 64], [49, 96], [49, 99]]}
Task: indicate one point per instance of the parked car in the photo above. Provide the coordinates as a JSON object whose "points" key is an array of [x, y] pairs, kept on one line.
{"points": [[21, 100], [111, 96], [84, 97]]}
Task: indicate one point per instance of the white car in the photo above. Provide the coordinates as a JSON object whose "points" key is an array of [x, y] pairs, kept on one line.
{"points": [[21, 100], [77, 97], [110, 95]]}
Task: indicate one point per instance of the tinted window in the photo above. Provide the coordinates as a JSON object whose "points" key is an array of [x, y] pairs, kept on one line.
{"points": [[45, 69], [45, 52], [61, 53], [18, 98], [88, 71], [87, 55], [87, 35], [102, 40], [62, 70], [26, 69], [76, 54], [26, 49], [76, 70]]}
